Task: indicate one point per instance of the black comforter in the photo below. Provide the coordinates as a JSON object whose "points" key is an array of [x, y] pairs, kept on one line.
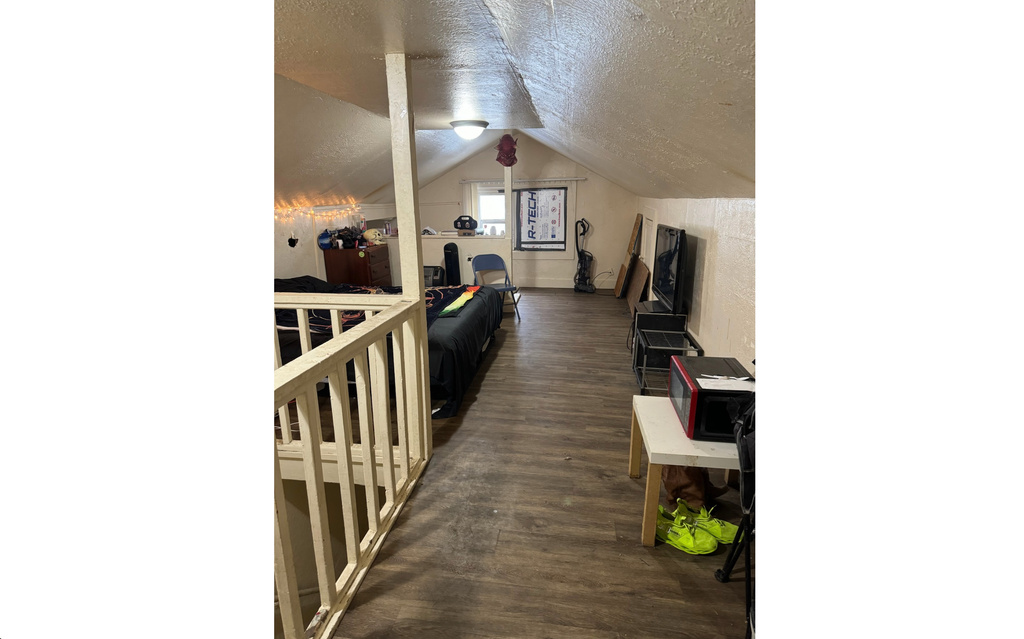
{"points": [[455, 340]]}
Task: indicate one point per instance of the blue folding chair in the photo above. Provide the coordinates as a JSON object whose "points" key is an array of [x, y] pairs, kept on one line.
{"points": [[492, 262]]}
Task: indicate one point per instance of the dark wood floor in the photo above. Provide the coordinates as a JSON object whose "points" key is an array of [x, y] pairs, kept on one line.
{"points": [[526, 523]]}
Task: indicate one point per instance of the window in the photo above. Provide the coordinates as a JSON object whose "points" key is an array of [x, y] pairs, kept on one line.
{"points": [[492, 212], [484, 201], [487, 206]]}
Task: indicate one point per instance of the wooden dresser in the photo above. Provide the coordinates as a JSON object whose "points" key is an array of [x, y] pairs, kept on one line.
{"points": [[368, 266]]}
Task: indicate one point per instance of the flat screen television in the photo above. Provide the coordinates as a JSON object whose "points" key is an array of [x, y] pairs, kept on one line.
{"points": [[671, 282]]}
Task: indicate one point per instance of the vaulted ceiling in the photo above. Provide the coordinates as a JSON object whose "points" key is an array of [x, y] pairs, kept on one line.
{"points": [[656, 96]]}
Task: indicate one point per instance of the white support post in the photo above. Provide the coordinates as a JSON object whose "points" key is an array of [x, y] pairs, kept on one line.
{"points": [[510, 223], [403, 157]]}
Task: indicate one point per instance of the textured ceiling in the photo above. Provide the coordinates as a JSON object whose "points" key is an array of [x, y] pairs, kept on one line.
{"points": [[655, 96]]}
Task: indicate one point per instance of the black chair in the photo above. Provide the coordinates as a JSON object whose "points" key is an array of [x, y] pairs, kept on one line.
{"points": [[743, 427]]}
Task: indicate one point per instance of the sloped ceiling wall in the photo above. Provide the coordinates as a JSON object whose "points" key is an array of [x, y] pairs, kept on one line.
{"points": [[657, 97], [328, 152]]}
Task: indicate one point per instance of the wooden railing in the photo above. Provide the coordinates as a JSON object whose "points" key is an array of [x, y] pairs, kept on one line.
{"points": [[386, 459]]}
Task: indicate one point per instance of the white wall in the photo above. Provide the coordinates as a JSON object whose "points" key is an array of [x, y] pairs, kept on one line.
{"points": [[302, 259], [306, 258], [722, 317], [610, 209], [433, 252]]}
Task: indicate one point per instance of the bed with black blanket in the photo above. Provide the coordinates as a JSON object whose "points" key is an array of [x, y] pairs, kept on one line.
{"points": [[456, 334]]}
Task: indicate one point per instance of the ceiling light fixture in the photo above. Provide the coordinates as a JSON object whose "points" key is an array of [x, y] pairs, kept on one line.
{"points": [[469, 129]]}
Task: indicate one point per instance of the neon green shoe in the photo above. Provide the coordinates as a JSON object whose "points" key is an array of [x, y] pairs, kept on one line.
{"points": [[685, 536], [721, 530]]}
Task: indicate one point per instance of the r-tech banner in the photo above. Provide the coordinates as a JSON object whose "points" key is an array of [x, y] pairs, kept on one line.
{"points": [[540, 225]]}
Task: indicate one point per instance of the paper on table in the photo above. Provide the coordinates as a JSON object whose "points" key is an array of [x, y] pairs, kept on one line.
{"points": [[725, 384]]}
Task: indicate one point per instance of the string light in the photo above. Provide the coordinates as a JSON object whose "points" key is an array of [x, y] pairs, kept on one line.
{"points": [[316, 213]]}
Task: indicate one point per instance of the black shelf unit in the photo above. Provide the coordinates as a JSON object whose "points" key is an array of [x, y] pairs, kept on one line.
{"points": [[657, 337]]}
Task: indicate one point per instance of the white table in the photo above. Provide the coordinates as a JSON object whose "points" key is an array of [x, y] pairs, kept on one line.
{"points": [[656, 427]]}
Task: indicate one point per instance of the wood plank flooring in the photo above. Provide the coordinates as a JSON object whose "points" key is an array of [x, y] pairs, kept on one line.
{"points": [[526, 523]]}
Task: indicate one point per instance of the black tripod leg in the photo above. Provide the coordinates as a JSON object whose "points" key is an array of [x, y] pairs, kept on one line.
{"points": [[739, 544], [750, 592]]}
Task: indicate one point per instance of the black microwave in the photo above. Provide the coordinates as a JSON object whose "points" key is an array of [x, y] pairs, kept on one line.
{"points": [[701, 388]]}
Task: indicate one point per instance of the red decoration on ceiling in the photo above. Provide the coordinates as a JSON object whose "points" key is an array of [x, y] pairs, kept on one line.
{"points": [[507, 150]]}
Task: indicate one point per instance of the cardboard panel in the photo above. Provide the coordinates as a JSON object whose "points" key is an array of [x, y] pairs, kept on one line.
{"points": [[637, 286], [631, 252]]}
